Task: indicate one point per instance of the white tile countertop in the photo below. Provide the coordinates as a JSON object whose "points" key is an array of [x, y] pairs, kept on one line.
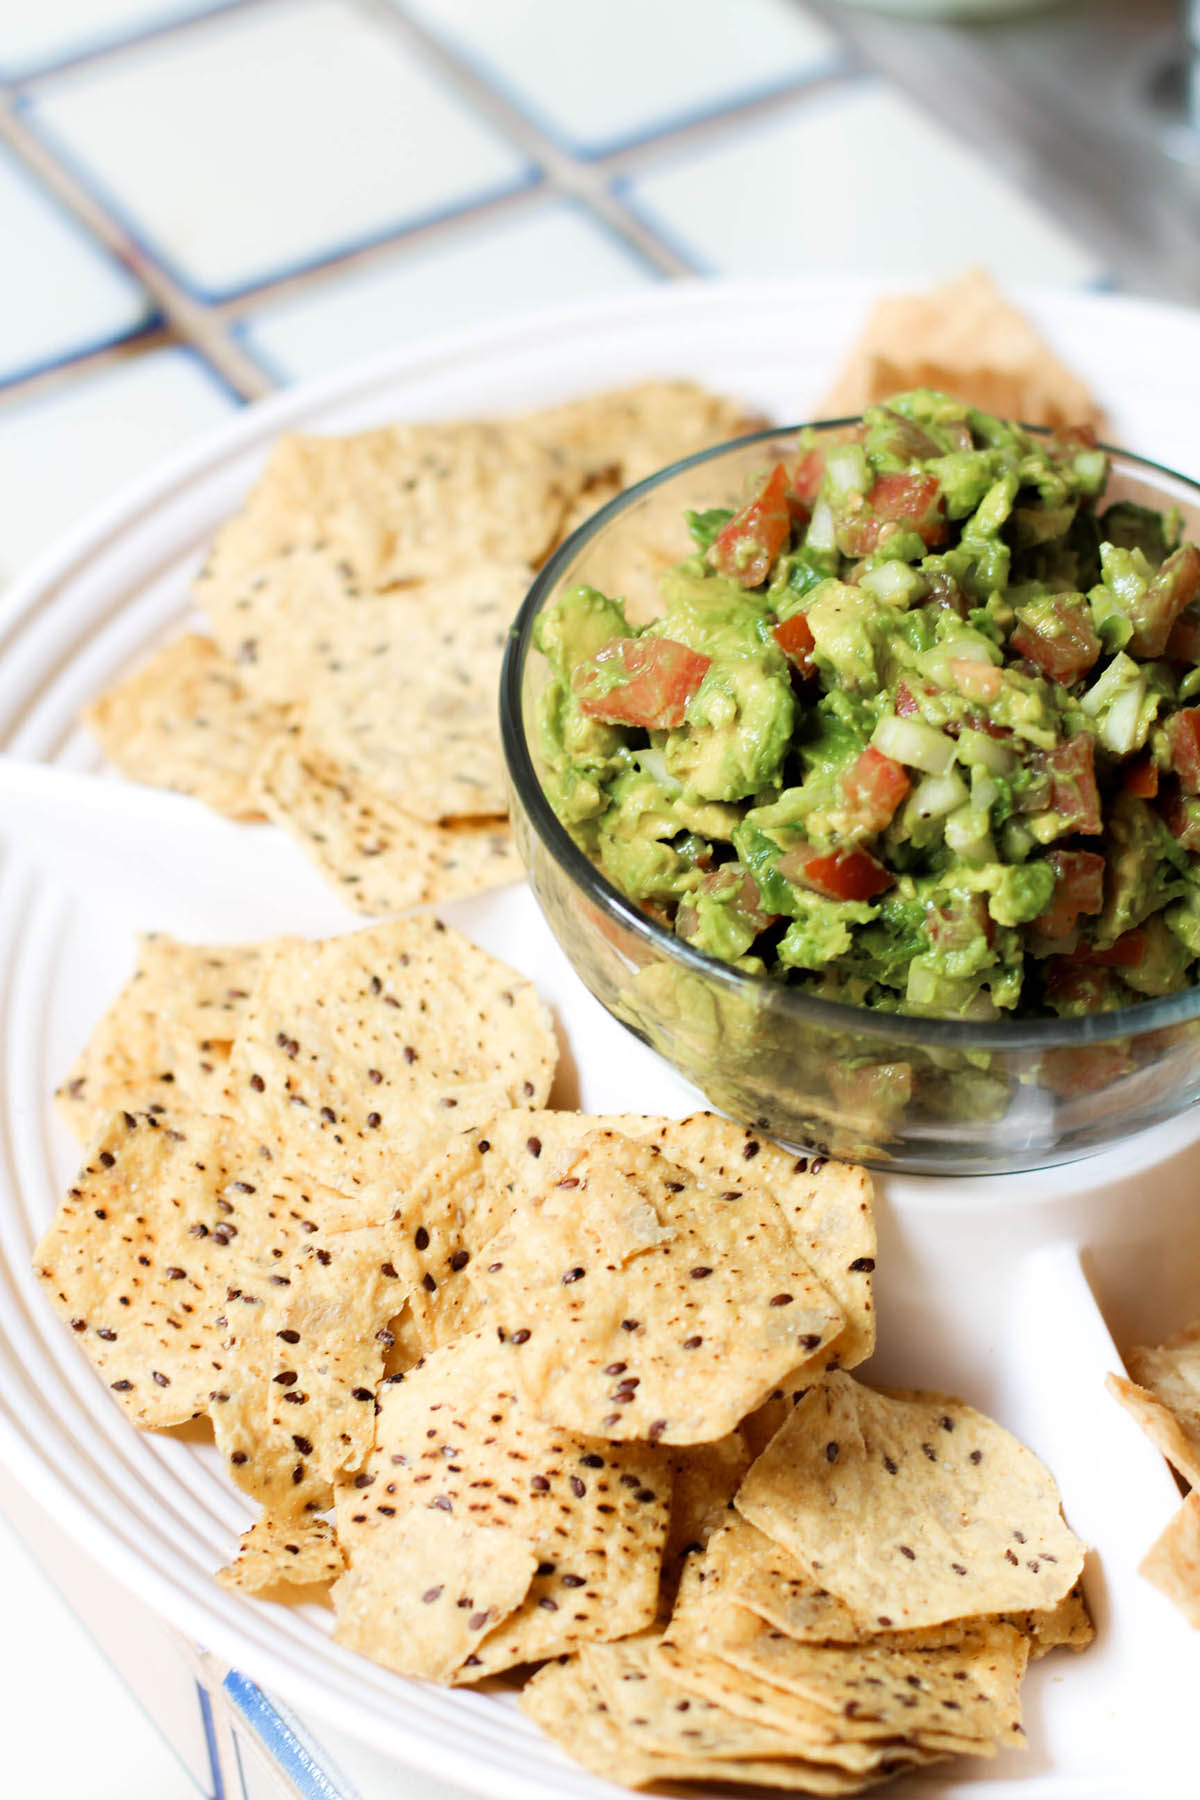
{"points": [[204, 200]]}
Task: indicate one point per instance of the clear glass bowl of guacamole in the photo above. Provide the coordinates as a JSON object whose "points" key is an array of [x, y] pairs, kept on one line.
{"points": [[856, 767]]}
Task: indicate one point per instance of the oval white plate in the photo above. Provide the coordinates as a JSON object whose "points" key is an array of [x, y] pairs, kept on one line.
{"points": [[980, 1283]]}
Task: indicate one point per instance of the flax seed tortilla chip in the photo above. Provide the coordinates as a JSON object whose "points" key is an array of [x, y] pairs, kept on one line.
{"points": [[422, 1595], [1172, 1562], [661, 1714], [955, 1516], [966, 340], [571, 1708], [452, 1435], [1164, 1398], [747, 1569], [300, 1552], [164, 1042], [624, 435], [704, 1480], [164, 1224], [403, 503], [402, 694], [641, 1302], [183, 720], [299, 1410], [942, 1697], [357, 1051], [381, 858], [827, 1204], [266, 605]]}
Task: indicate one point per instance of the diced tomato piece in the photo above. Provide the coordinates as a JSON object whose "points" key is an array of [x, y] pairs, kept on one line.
{"points": [[745, 550], [1141, 777], [807, 477], [1064, 651], [876, 1090], [1183, 740], [656, 677], [1073, 793], [1078, 888], [911, 501], [1070, 1073], [1183, 645], [1181, 816], [904, 706], [1128, 951], [838, 874], [959, 920], [874, 786], [796, 641], [1073, 987], [975, 680], [1170, 593]]}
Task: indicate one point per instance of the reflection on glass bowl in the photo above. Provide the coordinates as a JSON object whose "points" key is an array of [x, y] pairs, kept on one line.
{"points": [[920, 1094]]}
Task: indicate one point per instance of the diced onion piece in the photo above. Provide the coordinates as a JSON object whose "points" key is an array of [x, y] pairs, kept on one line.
{"points": [[822, 530], [979, 751], [894, 583], [847, 470], [653, 762], [913, 742], [938, 795], [968, 834], [985, 790], [1121, 729], [1018, 842]]}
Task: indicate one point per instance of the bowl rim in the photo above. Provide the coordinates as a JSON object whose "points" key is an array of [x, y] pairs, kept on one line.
{"points": [[1033, 1035]]}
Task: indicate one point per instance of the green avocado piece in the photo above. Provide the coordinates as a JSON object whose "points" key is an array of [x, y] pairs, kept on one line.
{"points": [[737, 730]]}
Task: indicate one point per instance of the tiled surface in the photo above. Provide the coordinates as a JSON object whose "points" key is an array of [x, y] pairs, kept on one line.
{"points": [[876, 187], [64, 453], [317, 121], [62, 294], [600, 77], [296, 183], [554, 251]]}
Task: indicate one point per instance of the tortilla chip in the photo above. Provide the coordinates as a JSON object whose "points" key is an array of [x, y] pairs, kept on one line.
{"points": [[572, 1709], [164, 1043], [659, 1713], [943, 1697], [381, 858], [299, 1552], [167, 1221], [403, 694], [622, 436], [1166, 1400], [420, 1595], [704, 1480], [956, 1517], [453, 1436], [747, 1569], [356, 1053], [640, 1302], [183, 720], [1172, 1562], [827, 1204], [966, 340], [395, 505]]}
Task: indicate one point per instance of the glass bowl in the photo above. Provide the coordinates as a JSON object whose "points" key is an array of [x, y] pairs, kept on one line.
{"points": [[926, 1095]]}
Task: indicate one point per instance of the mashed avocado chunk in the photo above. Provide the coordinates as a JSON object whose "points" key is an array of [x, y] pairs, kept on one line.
{"points": [[913, 728]]}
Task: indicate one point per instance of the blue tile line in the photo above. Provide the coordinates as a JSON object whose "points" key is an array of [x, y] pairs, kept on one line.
{"points": [[528, 177], [798, 76], [280, 1739], [210, 1739], [90, 49]]}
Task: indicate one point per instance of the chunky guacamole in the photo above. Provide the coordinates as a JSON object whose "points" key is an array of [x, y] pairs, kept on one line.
{"points": [[917, 729]]}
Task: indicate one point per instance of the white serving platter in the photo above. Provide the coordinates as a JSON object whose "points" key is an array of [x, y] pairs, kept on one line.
{"points": [[1002, 1289]]}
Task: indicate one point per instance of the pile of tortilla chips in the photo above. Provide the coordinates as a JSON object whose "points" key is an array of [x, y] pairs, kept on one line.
{"points": [[359, 607], [1164, 1398], [529, 1387]]}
